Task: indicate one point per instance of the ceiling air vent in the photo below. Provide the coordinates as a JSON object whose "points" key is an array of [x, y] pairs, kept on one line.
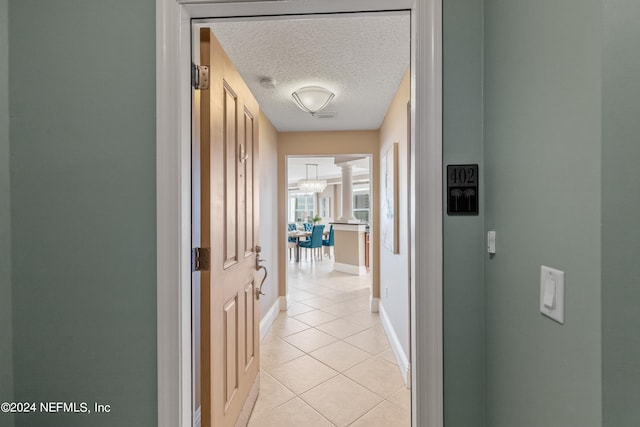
{"points": [[326, 115]]}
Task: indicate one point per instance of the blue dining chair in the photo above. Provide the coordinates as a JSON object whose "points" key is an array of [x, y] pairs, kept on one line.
{"points": [[329, 243], [292, 227], [291, 241], [308, 226], [315, 241]]}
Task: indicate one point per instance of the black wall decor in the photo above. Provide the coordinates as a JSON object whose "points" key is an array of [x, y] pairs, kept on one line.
{"points": [[462, 189]]}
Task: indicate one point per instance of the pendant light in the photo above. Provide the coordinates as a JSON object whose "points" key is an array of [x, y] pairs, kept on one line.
{"points": [[312, 185]]}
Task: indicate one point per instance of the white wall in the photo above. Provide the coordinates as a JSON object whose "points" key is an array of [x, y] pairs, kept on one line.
{"points": [[268, 163], [394, 268]]}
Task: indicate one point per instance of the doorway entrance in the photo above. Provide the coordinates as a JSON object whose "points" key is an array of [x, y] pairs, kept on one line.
{"points": [[173, 201], [332, 326]]}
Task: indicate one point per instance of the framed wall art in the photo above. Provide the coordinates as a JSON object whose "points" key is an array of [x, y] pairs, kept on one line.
{"points": [[389, 199]]}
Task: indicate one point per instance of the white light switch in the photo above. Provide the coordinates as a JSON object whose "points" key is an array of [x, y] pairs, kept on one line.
{"points": [[491, 242], [552, 293], [549, 293]]}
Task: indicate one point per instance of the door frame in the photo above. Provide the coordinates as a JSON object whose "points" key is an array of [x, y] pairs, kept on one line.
{"points": [[173, 192]]}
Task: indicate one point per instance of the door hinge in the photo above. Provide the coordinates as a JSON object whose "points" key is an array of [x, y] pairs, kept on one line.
{"points": [[199, 76], [199, 259]]}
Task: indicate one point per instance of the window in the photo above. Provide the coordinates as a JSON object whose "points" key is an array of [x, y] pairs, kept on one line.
{"points": [[361, 206], [302, 207]]}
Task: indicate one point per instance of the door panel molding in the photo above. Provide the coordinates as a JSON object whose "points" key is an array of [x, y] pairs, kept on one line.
{"points": [[230, 147], [249, 154], [230, 350], [173, 124], [250, 332]]}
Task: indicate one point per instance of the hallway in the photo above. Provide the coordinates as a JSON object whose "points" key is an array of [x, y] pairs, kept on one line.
{"points": [[327, 361]]}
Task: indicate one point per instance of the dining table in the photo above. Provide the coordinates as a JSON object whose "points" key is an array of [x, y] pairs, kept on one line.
{"points": [[299, 234]]}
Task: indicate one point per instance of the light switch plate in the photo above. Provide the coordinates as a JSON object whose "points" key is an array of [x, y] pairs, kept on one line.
{"points": [[552, 293]]}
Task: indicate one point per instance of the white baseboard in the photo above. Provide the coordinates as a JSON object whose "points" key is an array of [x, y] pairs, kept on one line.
{"points": [[375, 305], [284, 303], [358, 270], [398, 352], [269, 318]]}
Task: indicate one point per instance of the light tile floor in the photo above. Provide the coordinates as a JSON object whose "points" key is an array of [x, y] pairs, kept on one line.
{"points": [[327, 361]]}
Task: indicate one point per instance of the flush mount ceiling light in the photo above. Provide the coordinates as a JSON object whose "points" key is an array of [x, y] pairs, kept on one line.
{"points": [[312, 99], [312, 185]]}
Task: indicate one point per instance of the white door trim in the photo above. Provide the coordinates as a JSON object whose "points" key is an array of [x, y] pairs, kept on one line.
{"points": [[173, 157]]}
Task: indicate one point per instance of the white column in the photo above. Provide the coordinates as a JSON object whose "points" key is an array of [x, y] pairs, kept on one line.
{"points": [[347, 192]]}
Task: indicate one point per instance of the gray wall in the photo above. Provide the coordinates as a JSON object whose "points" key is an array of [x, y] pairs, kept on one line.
{"points": [[6, 340], [542, 115], [82, 99], [83, 195], [463, 236], [620, 213]]}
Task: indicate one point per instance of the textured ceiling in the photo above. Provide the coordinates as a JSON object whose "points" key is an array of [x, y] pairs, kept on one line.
{"points": [[360, 58]]}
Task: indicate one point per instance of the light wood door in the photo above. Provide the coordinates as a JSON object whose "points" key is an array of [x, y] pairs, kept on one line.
{"points": [[229, 311]]}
